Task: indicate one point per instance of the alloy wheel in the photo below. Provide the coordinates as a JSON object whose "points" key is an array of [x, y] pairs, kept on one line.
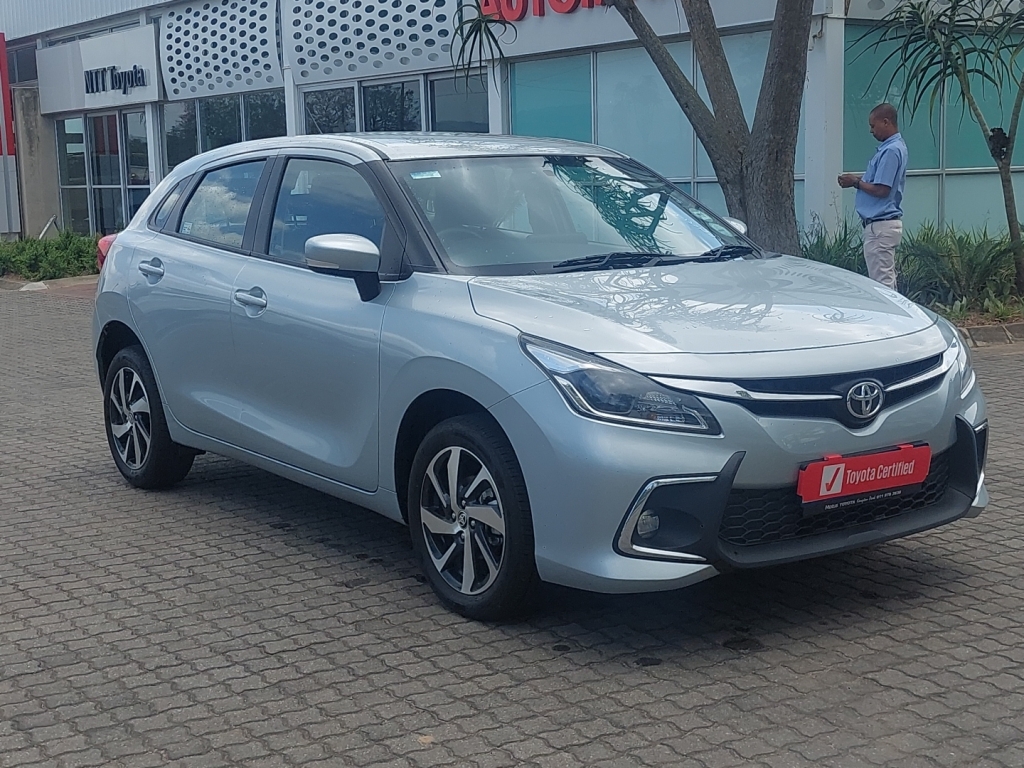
{"points": [[130, 419], [463, 520]]}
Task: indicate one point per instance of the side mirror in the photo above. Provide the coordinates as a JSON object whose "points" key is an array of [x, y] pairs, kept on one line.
{"points": [[348, 256], [736, 224]]}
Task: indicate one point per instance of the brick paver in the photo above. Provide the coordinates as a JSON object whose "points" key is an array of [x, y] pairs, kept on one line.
{"points": [[240, 619]]}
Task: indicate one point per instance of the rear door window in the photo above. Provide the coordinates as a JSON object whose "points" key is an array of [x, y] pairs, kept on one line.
{"points": [[219, 208]]}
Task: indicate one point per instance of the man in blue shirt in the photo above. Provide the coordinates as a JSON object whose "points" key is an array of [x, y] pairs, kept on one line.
{"points": [[880, 195]]}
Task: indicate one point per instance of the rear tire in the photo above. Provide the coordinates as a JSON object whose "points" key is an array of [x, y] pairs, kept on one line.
{"points": [[136, 428], [490, 514]]}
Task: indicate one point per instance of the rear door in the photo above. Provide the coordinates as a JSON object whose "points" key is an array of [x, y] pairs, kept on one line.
{"points": [[306, 345], [180, 291]]}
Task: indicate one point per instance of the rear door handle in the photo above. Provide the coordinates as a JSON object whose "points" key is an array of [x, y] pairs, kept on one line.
{"points": [[151, 268], [246, 298]]}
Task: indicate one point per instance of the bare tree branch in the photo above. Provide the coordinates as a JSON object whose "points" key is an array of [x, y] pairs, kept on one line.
{"points": [[697, 112], [715, 69], [785, 73]]}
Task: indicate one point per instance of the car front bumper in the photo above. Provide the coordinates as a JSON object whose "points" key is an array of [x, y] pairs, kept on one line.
{"points": [[589, 481]]}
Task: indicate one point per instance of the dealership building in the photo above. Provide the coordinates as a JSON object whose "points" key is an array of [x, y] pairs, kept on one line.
{"points": [[103, 98]]}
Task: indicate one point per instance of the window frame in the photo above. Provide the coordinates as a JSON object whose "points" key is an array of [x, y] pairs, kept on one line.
{"points": [[174, 219]]}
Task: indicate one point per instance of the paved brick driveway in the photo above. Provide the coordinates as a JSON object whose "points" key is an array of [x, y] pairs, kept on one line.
{"points": [[243, 620]]}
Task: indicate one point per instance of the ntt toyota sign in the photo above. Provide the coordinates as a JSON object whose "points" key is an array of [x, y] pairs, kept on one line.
{"points": [[113, 70], [114, 79]]}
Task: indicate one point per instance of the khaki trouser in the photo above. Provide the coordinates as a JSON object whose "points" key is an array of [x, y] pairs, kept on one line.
{"points": [[880, 241]]}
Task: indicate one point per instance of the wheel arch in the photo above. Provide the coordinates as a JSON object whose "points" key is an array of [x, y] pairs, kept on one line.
{"points": [[423, 414], [114, 337]]}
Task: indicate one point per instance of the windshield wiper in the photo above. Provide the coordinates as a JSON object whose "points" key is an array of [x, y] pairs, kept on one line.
{"points": [[633, 260], [728, 253], [617, 260]]}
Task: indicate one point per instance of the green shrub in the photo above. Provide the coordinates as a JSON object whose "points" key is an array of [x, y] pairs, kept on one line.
{"points": [[969, 265], [958, 271], [64, 256], [842, 248]]}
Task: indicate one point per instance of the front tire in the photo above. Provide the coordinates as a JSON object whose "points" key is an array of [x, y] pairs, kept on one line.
{"points": [[469, 515], [136, 428]]}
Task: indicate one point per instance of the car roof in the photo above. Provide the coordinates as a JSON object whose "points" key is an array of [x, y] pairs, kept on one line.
{"points": [[418, 146], [414, 146]]}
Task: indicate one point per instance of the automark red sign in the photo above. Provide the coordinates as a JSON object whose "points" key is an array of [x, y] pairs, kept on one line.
{"points": [[516, 10]]}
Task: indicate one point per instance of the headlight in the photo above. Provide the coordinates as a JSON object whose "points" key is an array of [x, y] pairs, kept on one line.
{"points": [[602, 390], [965, 364]]}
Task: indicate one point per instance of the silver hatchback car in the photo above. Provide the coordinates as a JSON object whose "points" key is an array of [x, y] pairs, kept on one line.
{"points": [[543, 357]]}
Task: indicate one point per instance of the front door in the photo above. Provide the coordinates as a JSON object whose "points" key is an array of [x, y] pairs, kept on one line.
{"points": [[306, 346]]}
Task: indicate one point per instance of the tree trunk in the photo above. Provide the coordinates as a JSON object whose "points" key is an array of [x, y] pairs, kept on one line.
{"points": [[771, 157], [1012, 220]]}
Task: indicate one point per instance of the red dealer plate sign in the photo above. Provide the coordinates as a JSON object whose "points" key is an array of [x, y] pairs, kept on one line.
{"points": [[839, 481]]}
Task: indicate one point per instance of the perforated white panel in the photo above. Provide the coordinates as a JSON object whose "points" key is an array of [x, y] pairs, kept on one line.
{"points": [[337, 39], [213, 48]]}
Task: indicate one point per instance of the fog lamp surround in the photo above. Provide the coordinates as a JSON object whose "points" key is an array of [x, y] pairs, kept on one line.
{"points": [[602, 390]]}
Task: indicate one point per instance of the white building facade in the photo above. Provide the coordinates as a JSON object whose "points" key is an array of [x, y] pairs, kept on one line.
{"points": [[108, 95]]}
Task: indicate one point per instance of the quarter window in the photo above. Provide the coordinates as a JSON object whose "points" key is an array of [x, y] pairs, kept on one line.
{"points": [[220, 205], [319, 197], [164, 211]]}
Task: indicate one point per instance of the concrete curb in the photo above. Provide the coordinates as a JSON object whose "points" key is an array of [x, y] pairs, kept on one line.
{"points": [[995, 335], [7, 284]]}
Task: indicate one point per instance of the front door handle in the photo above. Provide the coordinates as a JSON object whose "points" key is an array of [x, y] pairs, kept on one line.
{"points": [[249, 300], [151, 268]]}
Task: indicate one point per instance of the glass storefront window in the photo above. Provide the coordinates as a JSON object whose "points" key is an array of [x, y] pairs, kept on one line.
{"points": [[392, 107], [220, 122], [180, 137], [136, 197], [136, 148], [865, 90], [71, 151], [264, 115], [459, 104], [74, 204], [330, 111], [104, 150], [108, 210], [965, 146], [552, 97], [632, 97]]}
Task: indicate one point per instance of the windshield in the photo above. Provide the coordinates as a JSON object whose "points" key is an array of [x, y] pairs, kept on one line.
{"points": [[522, 215]]}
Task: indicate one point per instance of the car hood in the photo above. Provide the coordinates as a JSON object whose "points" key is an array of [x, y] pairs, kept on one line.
{"points": [[770, 305]]}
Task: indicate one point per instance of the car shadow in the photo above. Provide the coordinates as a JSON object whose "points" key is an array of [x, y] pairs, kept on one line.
{"points": [[735, 613]]}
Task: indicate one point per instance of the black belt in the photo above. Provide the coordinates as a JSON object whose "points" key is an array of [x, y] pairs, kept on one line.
{"points": [[865, 222]]}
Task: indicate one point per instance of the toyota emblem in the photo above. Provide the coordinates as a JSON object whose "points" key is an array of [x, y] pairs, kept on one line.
{"points": [[864, 400]]}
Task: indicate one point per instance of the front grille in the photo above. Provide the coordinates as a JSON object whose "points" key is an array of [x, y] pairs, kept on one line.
{"points": [[839, 383], [755, 517]]}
